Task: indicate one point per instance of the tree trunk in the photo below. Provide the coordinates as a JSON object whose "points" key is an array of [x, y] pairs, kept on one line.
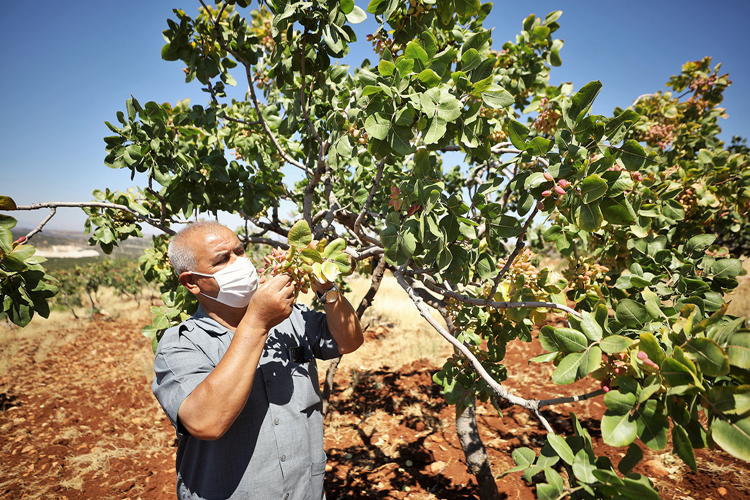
{"points": [[477, 460], [93, 306], [65, 300], [377, 277]]}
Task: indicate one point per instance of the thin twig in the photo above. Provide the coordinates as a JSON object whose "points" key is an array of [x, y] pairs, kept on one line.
{"points": [[519, 246], [302, 89], [38, 229], [375, 186]]}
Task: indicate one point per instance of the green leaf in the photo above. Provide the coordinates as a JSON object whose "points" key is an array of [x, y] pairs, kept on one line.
{"points": [[561, 447], [630, 460], [567, 370], [356, 16], [733, 436], [633, 156], [650, 346], [470, 59], [617, 211], [724, 330], [570, 340], [590, 217], [592, 360], [429, 78], [300, 235], [498, 99], [631, 313], [539, 146], [615, 344], [523, 457], [619, 402], [711, 358], [683, 448], [399, 139], [386, 68], [698, 244], [576, 107], [466, 8], [415, 51], [518, 134], [334, 247], [583, 468], [593, 187], [377, 126], [738, 350], [652, 425], [591, 328], [618, 429], [730, 400], [726, 268], [436, 131], [675, 373]]}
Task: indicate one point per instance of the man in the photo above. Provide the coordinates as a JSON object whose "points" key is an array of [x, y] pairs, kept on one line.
{"points": [[238, 379]]}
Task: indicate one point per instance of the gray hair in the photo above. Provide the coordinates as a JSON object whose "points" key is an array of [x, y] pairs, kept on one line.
{"points": [[180, 251]]}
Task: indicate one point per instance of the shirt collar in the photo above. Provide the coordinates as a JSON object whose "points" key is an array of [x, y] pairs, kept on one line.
{"points": [[206, 323]]}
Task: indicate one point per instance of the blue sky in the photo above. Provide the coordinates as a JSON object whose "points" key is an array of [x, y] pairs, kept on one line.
{"points": [[69, 66]]}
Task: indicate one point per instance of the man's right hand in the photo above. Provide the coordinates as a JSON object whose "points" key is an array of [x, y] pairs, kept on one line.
{"points": [[271, 304]]}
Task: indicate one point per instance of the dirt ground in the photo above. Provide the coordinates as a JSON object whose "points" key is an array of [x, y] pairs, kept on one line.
{"points": [[81, 422]]}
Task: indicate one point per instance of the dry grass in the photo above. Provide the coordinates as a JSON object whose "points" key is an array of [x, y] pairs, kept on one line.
{"points": [[393, 315]]}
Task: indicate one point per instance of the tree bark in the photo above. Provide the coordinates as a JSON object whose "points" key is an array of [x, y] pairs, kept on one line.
{"points": [[377, 277], [477, 460]]}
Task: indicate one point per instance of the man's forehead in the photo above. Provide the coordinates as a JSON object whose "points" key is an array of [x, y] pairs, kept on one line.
{"points": [[215, 237]]}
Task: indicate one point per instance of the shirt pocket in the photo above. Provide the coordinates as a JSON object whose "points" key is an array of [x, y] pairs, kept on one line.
{"points": [[306, 385]]}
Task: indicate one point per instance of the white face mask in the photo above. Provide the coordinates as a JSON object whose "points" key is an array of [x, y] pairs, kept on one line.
{"points": [[237, 283]]}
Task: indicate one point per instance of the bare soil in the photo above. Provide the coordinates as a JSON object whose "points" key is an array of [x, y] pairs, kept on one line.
{"points": [[81, 422]]}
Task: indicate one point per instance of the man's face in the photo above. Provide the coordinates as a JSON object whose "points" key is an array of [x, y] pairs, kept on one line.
{"points": [[213, 251]]}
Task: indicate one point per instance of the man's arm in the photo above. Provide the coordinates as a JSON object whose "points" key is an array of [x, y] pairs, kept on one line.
{"points": [[213, 406], [342, 320]]}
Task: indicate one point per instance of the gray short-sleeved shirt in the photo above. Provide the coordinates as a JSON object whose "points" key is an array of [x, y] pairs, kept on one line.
{"points": [[274, 450]]}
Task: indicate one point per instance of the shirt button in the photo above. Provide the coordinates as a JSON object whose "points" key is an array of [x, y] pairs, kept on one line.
{"points": [[268, 383], [276, 421], [283, 458]]}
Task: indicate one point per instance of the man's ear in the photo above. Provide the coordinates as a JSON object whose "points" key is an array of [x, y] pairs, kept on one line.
{"points": [[187, 279]]}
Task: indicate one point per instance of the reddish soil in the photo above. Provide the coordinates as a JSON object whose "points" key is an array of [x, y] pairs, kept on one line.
{"points": [[82, 423]]}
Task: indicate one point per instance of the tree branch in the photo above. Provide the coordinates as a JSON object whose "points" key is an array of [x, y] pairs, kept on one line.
{"points": [[532, 405], [500, 305], [256, 104], [95, 204]]}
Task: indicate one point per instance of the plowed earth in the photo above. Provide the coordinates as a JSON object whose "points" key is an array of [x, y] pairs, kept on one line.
{"points": [[81, 422]]}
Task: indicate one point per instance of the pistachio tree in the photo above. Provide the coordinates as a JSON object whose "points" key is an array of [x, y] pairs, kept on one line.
{"points": [[647, 207]]}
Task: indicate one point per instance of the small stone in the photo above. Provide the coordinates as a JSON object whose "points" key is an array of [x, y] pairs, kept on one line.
{"points": [[656, 468], [436, 467], [722, 491]]}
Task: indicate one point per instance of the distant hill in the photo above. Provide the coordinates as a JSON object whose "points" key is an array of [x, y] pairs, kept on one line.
{"points": [[73, 245]]}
